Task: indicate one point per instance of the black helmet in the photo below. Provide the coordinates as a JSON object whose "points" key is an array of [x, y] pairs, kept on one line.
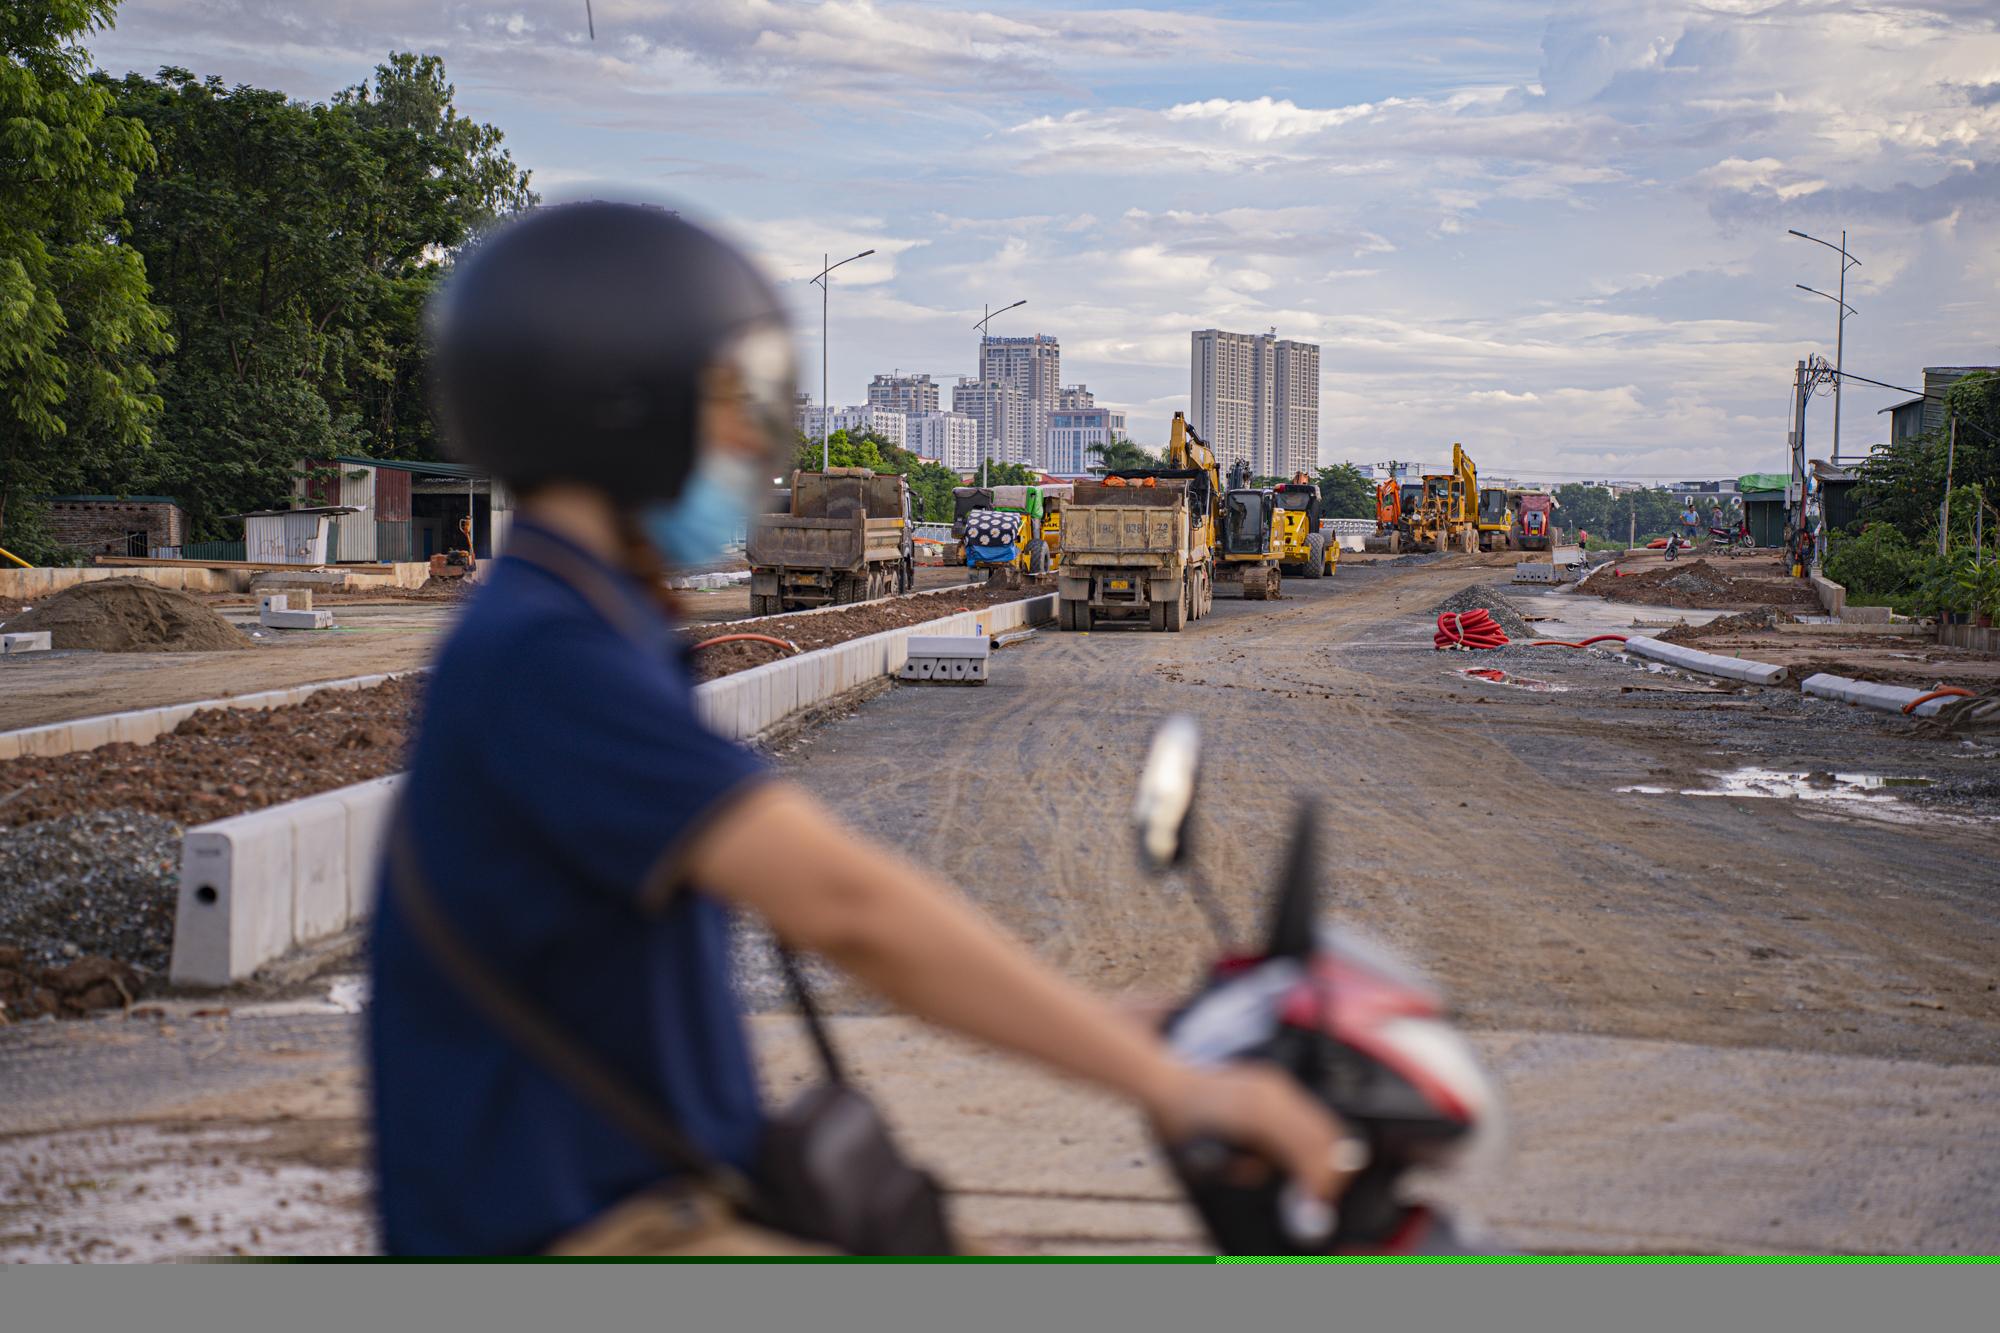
{"points": [[575, 343]]}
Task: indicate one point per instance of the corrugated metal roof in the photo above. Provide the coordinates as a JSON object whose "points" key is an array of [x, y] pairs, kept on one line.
{"points": [[462, 470]]}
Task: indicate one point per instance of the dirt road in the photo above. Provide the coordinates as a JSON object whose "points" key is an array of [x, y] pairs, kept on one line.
{"points": [[1723, 1021]]}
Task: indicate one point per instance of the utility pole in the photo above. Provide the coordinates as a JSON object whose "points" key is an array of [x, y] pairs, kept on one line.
{"points": [[1944, 509], [1847, 261]]}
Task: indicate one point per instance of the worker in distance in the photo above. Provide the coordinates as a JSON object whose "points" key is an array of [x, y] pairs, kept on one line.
{"points": [[574, 838]]}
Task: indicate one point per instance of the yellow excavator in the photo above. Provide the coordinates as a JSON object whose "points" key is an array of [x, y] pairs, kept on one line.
{"points": [[1248, 541]]}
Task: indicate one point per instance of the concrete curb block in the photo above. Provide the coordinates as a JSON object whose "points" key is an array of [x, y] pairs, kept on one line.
{"points": [[146, 724], [258, 885], [1887, 698], [1709, 664]]}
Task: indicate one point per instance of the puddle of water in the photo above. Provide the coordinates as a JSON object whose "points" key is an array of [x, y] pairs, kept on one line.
{"points": [[1781, 784], [1495, 676]]}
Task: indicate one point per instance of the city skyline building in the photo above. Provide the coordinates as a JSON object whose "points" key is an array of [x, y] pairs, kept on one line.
{"points": [[1032, 366], [1254, 397], [909, 394], [947, 438], [1000, 411], [1073, 428]]}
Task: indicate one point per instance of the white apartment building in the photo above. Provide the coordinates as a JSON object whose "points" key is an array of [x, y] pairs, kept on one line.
{"points": [[890, 426], [908, 394], [1255, 397], [948, 438], [1032, 367], [1072, 432]]}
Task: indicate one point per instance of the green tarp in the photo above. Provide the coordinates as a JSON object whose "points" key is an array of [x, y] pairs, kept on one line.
{"points": [[1762, 481]]}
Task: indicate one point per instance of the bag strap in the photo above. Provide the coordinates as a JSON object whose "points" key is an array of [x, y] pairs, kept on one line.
{"points": [[540, 1036], [584, 578]]}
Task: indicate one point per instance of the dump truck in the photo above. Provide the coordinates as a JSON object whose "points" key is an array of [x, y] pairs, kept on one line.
{"points": [[1534, 521], [1137, 545], [1308, 552], [844, 535]]}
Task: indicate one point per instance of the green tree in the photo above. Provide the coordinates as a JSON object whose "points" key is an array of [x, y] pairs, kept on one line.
{"points": [[76, 389], [1120, 454], [1903, 482], [1009, 474], [295, 244], [1345, 493]]}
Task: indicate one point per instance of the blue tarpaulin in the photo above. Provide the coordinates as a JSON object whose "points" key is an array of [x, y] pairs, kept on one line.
{"points": [[991, 555]]}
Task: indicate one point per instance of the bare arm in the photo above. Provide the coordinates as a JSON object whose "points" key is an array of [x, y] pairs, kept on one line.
{"points": [[917, 943]]}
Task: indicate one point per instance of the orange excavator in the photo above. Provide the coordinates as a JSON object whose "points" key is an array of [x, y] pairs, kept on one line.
{"points": [[456, 564]]}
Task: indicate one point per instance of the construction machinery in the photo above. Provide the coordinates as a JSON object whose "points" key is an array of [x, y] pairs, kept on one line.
{"points": [[1396, 504], [999, 529], [1139, 543], [1246, 539], [1494, 518], [844, 535], [1307, 552], [1447, 518], [1534, 521], [457, 563]]}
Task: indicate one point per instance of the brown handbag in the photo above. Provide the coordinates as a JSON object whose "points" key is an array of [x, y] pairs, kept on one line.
{"points": [[828, 1169]]}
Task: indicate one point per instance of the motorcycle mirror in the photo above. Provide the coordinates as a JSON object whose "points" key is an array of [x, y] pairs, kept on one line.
{"points": [[1294, 914], [1165, 802]]}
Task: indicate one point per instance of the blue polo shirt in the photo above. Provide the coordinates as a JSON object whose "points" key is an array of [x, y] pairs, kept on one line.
{"points": [[559, 772]]}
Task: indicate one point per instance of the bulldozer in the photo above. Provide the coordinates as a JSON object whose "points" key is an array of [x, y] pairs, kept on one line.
{"points": [[1307, 552]]}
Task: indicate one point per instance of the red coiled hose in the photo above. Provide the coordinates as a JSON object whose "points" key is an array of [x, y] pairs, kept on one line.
{"points": [[1469, 629], [1565, 643]]}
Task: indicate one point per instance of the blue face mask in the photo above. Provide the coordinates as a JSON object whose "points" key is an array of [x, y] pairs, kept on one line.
{"points": [[697, 525]]}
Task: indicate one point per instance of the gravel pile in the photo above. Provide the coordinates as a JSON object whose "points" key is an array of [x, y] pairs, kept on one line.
{"points": [[98, 884], [1495, 603]]}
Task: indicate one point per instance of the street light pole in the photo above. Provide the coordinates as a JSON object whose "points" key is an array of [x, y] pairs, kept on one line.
{"points": [[825, 408], [986, 454], [1847, 261]]}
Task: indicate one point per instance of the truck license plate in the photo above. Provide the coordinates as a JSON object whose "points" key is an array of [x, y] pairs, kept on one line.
{"points": [[1121, 585]]}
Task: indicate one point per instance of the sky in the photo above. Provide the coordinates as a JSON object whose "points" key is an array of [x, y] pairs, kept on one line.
{"points": [[1557, 234]]}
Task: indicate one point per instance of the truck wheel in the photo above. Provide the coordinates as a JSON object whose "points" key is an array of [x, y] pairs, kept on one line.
{"points": [[761, 605], [1316, 556], [906, 574], [1156, 616], [1037, 552], [1175, 613], [1065, 613]]}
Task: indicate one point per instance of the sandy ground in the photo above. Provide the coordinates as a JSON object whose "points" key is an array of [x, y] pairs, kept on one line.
{"points": [[1726, 1021]]}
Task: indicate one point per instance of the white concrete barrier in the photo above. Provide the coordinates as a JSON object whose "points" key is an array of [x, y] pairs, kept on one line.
{"points": [[1709, 664], [145, 724], [1868, 694], [256, 886], [26, 641]]}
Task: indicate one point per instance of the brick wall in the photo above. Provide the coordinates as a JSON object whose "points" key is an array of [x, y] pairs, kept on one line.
{"points": [[104, 527]]}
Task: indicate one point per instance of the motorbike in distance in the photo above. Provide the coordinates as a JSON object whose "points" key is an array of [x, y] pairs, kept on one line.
{"points": [[1353, 1025]]}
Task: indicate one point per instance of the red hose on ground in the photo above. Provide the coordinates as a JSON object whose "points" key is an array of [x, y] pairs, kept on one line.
{"points": [[1467, 630], [750, 638], [1942, 692], [1565, 643]]}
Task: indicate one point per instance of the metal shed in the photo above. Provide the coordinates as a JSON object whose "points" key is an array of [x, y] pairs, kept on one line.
{"points": [[290, 536]]}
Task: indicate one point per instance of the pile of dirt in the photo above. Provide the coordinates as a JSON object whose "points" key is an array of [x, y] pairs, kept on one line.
{"points": [[823, 629], [129, 616], [1484, 596], [224, 761], [1743, 622], [72, 990], [1700, 584]]}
